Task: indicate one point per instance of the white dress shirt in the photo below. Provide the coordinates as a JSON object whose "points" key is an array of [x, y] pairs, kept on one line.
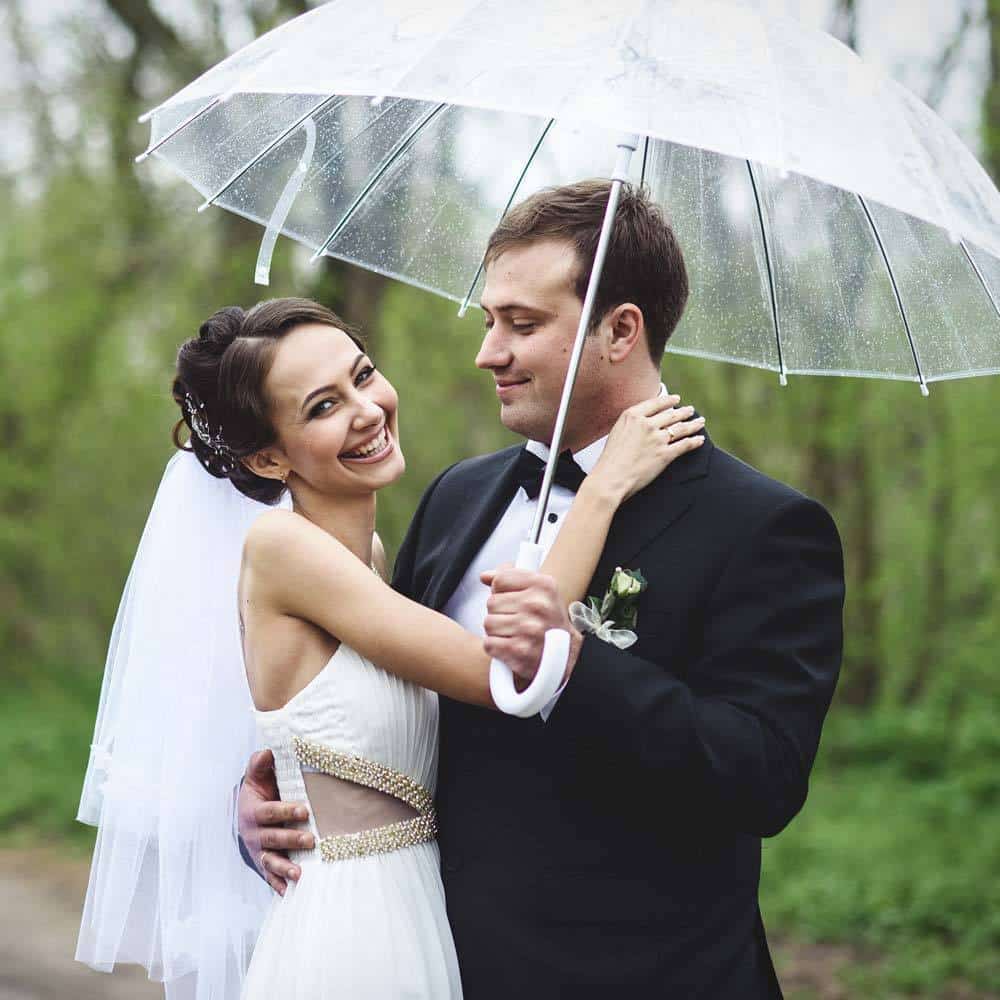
{"points": [[467, 605]]}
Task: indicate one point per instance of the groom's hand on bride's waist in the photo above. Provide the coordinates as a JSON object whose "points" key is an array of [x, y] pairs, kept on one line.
{"points": [[522, 607], [262, 816]]}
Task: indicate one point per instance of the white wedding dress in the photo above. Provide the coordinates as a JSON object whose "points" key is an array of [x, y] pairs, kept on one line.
{"points": [[367, 919]]}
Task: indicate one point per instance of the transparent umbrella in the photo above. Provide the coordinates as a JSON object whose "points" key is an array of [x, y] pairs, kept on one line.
{"points": [[832, 223]]}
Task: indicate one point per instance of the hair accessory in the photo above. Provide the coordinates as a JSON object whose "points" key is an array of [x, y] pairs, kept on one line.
{"points": [[198, 419]]}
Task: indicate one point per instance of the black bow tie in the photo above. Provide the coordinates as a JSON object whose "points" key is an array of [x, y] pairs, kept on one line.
{"points": [[531, 469]]}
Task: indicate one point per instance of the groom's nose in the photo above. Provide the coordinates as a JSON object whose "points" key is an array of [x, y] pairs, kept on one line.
{"points": [[494, 352]]}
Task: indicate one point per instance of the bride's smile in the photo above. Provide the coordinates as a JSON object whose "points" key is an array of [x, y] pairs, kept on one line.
{"points": [[375, 449]]}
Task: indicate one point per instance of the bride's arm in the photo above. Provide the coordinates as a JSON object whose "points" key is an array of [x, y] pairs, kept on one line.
{"points": [[304, 572], [637, 451]]}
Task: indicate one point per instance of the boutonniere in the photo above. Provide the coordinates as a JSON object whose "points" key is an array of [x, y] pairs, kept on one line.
{"points": [[617, 607]]}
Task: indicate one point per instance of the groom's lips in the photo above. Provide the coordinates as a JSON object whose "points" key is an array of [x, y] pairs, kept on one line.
{"points": [[506, 389]]}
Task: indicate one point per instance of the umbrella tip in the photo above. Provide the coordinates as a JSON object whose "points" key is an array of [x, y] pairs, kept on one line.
{"points": [[142, 157], [924, 391], [463, 309], [145, 116], [203, 206], [782, 379]]}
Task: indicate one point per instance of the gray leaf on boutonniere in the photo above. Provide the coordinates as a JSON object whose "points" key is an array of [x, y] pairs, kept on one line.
{"points": [[598, 616]]}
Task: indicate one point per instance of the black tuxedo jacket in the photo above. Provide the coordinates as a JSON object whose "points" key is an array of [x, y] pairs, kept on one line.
{"points": [[615, 849]]}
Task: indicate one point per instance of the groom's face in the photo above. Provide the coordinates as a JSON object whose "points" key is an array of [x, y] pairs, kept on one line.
{"points": [[532, 312]]}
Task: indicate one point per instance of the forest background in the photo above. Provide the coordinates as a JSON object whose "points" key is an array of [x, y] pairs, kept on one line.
{"points": [[891, 875]]}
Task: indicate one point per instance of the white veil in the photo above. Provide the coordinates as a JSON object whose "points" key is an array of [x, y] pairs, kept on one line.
{"points": [[168, 888]]}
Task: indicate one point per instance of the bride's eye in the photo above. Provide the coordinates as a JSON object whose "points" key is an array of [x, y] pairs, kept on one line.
{"points": [[364, 375], [320, 408]]}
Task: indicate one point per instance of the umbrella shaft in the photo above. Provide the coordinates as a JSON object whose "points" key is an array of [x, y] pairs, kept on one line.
{"points": [[626, 148]]}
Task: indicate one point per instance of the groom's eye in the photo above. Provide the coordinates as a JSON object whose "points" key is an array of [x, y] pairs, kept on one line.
{"points": [[523, 326]]}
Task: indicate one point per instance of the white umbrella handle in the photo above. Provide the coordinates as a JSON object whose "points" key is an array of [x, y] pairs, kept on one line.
{"points": [[555, 655]]}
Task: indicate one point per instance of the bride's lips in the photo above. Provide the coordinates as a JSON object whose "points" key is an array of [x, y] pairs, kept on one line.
{"points": [[507, 389], [382, 438]]}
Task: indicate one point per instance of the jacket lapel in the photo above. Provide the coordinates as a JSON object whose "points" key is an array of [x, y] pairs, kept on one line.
{"points": [[644, 517], [488, 496]]}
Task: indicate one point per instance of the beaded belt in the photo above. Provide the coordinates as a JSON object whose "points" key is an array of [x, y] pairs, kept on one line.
{"points": [[381, 839]]}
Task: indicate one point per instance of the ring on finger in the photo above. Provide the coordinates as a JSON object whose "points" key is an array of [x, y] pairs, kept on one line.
{"points": [[260, 861]]}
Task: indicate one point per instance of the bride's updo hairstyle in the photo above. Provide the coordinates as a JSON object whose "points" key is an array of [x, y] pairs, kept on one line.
{"points": [[219, 386]]}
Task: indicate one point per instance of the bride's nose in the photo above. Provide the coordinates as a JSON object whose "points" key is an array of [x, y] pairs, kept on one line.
{"points": [[369, 414]]}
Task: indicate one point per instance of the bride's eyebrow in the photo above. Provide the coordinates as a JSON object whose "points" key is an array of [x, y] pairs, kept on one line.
{"points": [[330, 388]]}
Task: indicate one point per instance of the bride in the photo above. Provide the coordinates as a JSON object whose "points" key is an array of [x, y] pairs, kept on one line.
{"points": [[259, 616]]}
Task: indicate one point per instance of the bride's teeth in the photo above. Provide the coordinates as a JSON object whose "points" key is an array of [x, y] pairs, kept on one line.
{"points": [[373, 447]]}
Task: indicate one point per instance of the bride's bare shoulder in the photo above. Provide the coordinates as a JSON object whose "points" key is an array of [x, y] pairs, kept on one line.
{"points": [[277, 535]]}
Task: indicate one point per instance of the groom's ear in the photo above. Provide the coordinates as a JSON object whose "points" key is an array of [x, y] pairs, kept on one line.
{"points": [[268, 464], [626, 329]]}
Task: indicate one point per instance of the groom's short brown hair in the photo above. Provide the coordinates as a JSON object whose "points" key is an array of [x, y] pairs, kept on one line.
{"points": [[644, 264]]}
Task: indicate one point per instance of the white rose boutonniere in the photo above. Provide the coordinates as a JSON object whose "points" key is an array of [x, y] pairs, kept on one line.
{"points": [[617, 607]]}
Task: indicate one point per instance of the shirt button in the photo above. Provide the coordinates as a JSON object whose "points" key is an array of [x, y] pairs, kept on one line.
{"points": [[553, 518]]}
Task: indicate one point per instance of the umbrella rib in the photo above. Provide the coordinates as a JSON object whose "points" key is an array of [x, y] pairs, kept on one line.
{"points": [[394, 154], [895, 292], [645, 156], [979, 275], [510, 201], [270, 147], [214, 102], [782, 375], [179, 128], [339, 152]]}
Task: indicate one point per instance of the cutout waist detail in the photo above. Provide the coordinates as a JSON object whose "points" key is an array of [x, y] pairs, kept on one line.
{"points": [[316, 757]]}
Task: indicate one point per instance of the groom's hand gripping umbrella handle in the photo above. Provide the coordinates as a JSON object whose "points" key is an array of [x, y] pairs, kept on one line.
{"points": [[551, 669]]}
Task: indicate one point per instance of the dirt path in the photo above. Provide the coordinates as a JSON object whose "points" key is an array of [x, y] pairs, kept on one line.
{"points": [[40, 900]]}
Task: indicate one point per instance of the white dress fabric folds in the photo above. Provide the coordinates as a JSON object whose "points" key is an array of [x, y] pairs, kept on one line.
{"points": [[371, 927]]}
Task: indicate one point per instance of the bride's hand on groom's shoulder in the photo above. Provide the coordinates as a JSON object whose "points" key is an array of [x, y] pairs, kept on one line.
{"points": [[645, 439], [261, 817]]}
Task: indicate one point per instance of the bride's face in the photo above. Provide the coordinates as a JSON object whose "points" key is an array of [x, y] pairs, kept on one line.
{"points": [[335, 415]]}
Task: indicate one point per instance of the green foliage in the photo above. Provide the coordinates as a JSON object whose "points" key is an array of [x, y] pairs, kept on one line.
{"points": [[897, 851], [45, 730]]}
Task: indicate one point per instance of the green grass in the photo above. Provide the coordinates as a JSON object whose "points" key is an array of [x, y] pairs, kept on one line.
{"points": [[896, 854]]}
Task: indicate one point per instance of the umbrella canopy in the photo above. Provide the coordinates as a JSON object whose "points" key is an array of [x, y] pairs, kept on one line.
{"points": [[832, 223]]}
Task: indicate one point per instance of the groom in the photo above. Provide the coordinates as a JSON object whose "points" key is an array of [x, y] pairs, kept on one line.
{"points": [[614, 849]]}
